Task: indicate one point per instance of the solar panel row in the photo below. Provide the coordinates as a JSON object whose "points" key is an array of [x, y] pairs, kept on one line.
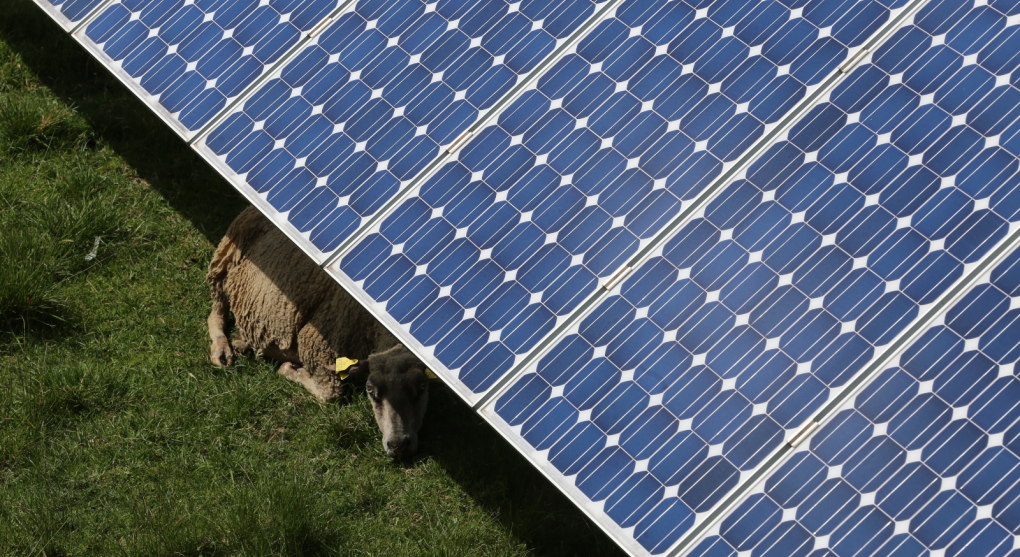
{"points": [[501, 245], [716, 351], [356, 115]]}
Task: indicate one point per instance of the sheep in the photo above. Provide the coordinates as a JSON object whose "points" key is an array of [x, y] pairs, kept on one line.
{"points": [[289, 309]]}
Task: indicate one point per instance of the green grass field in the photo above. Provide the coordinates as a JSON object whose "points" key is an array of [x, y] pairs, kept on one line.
{"points": [[117, 437]]}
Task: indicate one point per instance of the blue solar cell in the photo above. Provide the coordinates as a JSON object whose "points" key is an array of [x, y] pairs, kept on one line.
{"points": [[837, 446], [827, 507], [576, 448], [367, 106], [914, 425], [994, 409], [663, 525], [604, 473], [746, 530], [647, 433], [975, 374], [977, 311], [918, 461], [954, 448], [798, 477], [865, 531], [549, 423], [988, 475], [884, 395], [191, 59], [694, 388], [868, 468]]}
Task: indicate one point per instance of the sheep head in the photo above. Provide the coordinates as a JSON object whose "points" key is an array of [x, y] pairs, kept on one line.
{"points": [[398, 387]]}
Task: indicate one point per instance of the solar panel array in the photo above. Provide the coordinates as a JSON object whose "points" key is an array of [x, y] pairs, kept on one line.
{"points": [[505, 242], [652, 242], [719, 349]]}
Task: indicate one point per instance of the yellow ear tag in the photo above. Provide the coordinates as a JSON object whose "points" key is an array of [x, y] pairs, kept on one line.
{"points": [[342, 365], [431, 376]]}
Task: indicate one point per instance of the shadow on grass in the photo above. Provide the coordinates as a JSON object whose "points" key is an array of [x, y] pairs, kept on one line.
{"points": [[57, 323], [119, 119], [501, 480]]}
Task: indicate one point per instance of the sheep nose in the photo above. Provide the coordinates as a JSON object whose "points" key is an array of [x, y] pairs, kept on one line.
{"points": [[399, 447]]}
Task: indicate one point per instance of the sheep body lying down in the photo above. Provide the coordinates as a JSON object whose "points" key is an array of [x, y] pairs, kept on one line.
{"points": [[287, 308]]}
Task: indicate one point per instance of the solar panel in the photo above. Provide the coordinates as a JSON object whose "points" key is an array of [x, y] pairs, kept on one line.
{"points": [[769, 228], [923, 461], [69, 13], [189, 58], [354, 117], [672, 391], [501, 245]]}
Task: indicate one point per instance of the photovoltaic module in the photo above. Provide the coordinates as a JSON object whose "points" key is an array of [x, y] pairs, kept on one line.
{"points": [[738, 277]]}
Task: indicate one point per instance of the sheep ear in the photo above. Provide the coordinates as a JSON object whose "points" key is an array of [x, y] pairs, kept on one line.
{"points": [[351, 369]]}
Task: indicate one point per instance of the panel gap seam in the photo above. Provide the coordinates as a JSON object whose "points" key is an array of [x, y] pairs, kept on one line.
{"points": [[89, 17]]}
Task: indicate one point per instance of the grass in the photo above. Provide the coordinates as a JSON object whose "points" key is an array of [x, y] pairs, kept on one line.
{"points": [[117, 437]]}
